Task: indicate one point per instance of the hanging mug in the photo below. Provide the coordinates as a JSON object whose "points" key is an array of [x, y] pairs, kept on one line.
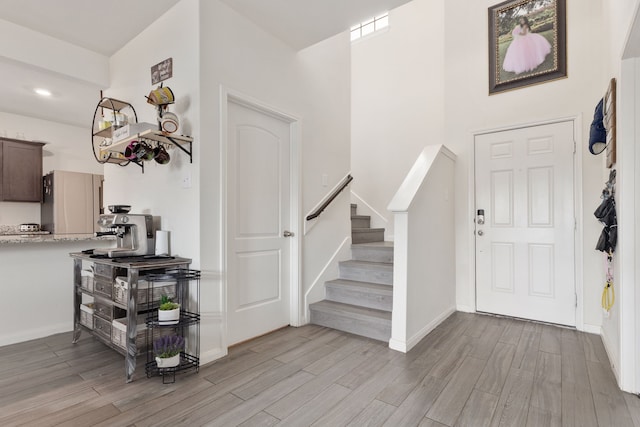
{"points": [[160, 155], [169, 122], [145, 152], [131, 151], [161, 96]]}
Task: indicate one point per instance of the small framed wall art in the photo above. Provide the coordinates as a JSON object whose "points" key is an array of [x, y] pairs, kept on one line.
{"points": [[527, 43]]}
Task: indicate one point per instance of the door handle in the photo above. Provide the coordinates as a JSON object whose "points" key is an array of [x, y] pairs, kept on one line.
{"points": [[480, 232], [287, 233]]}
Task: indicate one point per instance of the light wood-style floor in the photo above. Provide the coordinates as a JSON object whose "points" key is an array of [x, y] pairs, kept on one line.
{"points": [[473, 370]]}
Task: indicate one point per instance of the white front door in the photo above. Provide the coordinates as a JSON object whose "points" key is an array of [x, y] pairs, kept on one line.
{"points": [[525, 248], [258, 198]]}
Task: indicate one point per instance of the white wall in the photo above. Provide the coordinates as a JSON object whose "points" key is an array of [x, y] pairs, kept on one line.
{"points": [[619, 329], [159, 190], [400, 104], [397, 87], [312, 85], [219, 47], [424, 254], [468, 108], [68, 148]]}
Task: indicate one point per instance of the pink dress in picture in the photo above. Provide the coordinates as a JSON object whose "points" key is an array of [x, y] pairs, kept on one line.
{"points": [[526, 52]]}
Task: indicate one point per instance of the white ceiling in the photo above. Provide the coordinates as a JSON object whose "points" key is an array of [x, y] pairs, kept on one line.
{"points": [[302, 23], [104, 26]]}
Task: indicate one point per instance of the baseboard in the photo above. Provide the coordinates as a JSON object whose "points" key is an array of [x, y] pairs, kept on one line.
{"points": [[404, 347], [465, 308], [212, 355], [398, 345], [614, 366], [592, 329], [33, 334]]}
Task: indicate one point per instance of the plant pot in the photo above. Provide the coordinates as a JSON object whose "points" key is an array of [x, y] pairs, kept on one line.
{"points": [[168, 362], [169, 317]]}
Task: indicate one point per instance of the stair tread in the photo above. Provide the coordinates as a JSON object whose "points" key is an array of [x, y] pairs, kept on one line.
{"points": [[366, 230], [359, 284], [373, 245], [360, 216], [360, 312], [375, 265]]}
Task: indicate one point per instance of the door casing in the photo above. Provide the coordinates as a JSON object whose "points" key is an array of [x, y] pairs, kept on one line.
{"points": [[228, 95], [578, 240]]}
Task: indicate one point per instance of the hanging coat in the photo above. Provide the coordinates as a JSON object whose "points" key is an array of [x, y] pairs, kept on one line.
{"points": [[606, 214]]}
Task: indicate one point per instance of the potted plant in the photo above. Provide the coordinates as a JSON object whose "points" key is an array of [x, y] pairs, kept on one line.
{"points": [[168, 311], [167, 350]]}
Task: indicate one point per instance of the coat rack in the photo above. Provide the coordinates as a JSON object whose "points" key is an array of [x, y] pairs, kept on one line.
{"points": [[609, 120]]}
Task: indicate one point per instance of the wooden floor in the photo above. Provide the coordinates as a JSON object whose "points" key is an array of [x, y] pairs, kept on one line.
{"points": [[473, 370]]}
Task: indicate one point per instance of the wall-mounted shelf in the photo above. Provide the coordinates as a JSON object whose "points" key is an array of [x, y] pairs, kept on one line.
{"points": [[149, 133], [115, 126], [110, 114]]}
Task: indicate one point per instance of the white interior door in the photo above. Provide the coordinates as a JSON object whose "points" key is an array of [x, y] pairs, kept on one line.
{"points": [[525, 248], [258, 198]]}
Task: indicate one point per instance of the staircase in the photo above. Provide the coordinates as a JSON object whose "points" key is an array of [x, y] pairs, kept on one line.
{"points": [[361, 300]]}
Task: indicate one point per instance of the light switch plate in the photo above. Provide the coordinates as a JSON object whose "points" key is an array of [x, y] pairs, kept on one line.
{"points": [[186, 180]]}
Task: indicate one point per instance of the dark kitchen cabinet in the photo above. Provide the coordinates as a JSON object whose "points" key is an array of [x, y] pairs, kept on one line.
{"points": [[21, 170]]}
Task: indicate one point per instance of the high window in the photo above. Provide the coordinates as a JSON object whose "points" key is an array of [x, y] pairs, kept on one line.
{"points": [[370, 26]]}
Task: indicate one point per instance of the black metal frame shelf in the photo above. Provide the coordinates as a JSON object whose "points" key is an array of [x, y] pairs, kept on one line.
{"points": [[186, 319], [187, 363], [133, 270], [187, 294]]}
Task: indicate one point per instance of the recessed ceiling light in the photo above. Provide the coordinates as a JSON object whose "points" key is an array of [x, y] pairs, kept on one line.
{"points": [[42, 92]]}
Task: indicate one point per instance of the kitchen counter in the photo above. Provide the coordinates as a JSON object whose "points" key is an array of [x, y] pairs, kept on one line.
{"points": [[49, 238], [37, 279]]}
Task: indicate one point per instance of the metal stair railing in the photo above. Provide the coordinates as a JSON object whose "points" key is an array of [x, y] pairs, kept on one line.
{"points": [[333, 195]]}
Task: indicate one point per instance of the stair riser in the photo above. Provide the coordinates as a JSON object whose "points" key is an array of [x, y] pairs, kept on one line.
{"points": [[372, 254], [377, 330], [354, 209], [361, 298], [360, 222], [384, 277], [367, 236]]}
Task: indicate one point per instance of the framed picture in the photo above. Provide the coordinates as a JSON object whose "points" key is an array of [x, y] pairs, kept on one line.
{"points": [[527, 43]]}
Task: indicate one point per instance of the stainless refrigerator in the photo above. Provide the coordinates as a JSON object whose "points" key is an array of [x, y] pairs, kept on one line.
{"points": [[72, 202]]}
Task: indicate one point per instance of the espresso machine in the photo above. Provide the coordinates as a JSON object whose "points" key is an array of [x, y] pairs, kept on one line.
{"points": [[135, 234]]}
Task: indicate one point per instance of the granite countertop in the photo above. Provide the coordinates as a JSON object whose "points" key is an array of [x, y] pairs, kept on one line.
{"points": [[12, 235], [46, 238]]}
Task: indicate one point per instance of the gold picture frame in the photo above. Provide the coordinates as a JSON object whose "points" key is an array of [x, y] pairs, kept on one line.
{"points": [[527, 43]]}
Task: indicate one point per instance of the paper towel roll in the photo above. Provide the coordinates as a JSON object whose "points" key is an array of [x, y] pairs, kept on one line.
{"points": [[162, 242]]}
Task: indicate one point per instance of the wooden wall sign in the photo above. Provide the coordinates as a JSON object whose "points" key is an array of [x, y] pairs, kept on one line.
{"points": [[162, 71], [609, 111]]}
